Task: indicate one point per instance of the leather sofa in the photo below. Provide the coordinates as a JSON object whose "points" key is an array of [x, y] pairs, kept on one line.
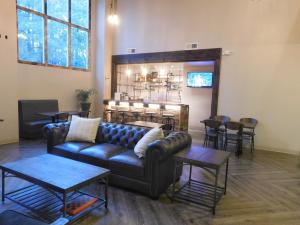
{"points": [[30, 122], [113, 149]]}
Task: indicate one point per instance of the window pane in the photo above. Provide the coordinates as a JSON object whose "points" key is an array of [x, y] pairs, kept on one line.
{"points": [[57, 43], [80, 13], [80, 50], [58, 9], [36, 5], [30, 37]]}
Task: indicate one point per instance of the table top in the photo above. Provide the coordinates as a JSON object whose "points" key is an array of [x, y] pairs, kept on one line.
{"points": [[203, 157], [51, 114], [246, 125], [58, 173], [145, 124]]}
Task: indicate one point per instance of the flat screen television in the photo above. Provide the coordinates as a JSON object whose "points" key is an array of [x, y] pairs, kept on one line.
{"points": [[199, 79]]}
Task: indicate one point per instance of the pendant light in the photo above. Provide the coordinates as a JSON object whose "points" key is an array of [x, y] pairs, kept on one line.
{"points": [[113, 18]]}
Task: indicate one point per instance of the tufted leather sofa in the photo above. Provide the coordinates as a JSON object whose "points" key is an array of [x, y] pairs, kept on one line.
{"points": [[113, 149]]}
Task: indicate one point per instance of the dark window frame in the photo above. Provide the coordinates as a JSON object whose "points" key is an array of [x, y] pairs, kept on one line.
{"points": [[70, 26]]}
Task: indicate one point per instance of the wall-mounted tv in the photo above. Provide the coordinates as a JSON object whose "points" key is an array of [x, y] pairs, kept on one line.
{"points": [[199, 79]]}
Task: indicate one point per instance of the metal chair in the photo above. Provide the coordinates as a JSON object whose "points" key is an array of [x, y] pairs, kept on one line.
{"points": [[61, 117], [223, 119], [249, 130], [212, 132], [233, 135]]}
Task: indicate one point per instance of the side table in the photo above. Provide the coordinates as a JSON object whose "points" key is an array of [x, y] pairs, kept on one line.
{"points": [[199, 192]]}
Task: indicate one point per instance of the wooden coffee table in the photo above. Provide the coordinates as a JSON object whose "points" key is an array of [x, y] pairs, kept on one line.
{"points": [[199, 192], [55, 181]]}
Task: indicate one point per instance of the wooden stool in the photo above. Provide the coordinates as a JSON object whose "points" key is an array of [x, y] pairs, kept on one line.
{"points": [[169, 121], [151, 115]]}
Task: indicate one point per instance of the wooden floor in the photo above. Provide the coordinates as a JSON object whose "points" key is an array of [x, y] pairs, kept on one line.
{"points": [[263, 188]]}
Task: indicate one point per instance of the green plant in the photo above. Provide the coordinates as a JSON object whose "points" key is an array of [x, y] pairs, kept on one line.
{"points": [[84, 95]]}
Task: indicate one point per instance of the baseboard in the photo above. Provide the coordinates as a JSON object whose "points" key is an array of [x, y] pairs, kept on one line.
{"points": [[269, 149], [11, 141]]}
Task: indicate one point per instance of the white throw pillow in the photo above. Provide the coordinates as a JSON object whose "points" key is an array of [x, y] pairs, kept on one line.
{"points": [[83, 129], [152, 135]]}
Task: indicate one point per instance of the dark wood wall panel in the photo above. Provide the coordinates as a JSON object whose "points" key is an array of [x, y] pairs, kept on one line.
{"points": [[214, 54]]}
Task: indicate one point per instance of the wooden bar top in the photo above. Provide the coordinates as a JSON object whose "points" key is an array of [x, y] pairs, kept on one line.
{"points": [[203, 157]]}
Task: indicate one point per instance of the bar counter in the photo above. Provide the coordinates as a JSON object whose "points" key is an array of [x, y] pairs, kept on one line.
{"points": [[133, 110]]}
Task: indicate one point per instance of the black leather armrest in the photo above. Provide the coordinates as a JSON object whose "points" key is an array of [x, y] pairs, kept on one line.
{"points": [[56, 134], [168, 146]]}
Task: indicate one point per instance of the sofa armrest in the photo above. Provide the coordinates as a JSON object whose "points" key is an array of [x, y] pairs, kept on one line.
{"points": [[173, 143], [56, 134]]}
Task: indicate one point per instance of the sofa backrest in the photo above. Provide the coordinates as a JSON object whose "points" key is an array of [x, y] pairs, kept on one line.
{"points": [[119, 134], [29, 109]]}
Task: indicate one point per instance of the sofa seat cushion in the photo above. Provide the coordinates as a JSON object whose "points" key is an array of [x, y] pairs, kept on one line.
{"points": [[71, 149], [99, 154], [127, 164]]}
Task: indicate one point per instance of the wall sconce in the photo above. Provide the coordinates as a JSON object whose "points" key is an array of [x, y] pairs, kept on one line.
{"points": [[113, 18]]}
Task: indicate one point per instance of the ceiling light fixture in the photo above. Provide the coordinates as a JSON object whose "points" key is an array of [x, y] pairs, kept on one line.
{"points": [[113, 18]]}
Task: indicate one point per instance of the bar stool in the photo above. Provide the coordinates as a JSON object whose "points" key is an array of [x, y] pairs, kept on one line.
{"points": [[151, 115], [109, 115], [168, 120], [136, 114], [122, 113]]}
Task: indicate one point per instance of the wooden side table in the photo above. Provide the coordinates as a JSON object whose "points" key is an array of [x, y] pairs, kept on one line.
{"points": [[199, 192]]}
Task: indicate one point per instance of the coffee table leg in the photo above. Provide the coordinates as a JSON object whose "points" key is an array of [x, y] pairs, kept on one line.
{"points": [[174, 181], [226, 175], [3, 185], [190, 175], [215, 192], [106, 192], [65, 204]]}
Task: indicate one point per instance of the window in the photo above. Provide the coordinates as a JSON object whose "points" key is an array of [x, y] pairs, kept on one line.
{"points": [[54, 32]]}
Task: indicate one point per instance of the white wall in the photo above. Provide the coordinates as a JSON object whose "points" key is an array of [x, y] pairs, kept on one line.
{"points": [[20, 81], [199, 99], [261, 79]]}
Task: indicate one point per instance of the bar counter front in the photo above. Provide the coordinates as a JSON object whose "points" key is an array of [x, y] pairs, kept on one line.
{"points": [[173, 116]]}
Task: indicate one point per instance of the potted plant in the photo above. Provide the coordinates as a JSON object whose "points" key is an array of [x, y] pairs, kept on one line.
{"points": [[83, 97]]}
